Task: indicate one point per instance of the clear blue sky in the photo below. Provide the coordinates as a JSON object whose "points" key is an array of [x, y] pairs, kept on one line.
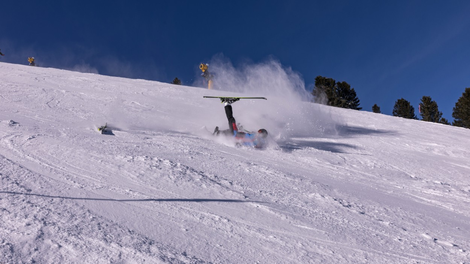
{"points": [[386, 50]]}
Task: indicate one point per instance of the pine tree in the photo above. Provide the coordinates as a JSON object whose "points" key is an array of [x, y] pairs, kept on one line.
{"points": [[176, 81], [324, 90], [403, 108], [345, 96], [461, 113], [376, 109], [333, 93], [429, 110], [444, 121]]}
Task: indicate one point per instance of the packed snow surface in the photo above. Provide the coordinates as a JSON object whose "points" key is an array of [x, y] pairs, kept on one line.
{"points": [[333, 186]]}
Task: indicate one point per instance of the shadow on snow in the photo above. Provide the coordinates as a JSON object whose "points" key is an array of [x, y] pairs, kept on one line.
{"points": [[351, 131], [197, 200], [340, 131], [295, 144]]}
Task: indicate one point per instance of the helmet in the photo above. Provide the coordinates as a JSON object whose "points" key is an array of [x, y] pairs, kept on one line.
{"points": [[263, 132]]}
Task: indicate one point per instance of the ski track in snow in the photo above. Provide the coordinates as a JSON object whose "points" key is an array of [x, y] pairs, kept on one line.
{"points": [[161, 190]]}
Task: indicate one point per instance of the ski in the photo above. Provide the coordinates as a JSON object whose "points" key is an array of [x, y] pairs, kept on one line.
{"points": [[234, 97], [102, 129], [230, 99]]}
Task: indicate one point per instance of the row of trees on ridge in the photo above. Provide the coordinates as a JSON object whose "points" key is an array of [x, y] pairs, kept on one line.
{"points": [[340, 94]]}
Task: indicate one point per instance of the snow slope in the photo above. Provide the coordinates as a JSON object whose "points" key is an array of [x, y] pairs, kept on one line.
{"points": [[334, 186]]}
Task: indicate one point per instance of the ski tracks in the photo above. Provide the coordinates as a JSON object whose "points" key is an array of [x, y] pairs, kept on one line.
{"points": [[38, 228]]}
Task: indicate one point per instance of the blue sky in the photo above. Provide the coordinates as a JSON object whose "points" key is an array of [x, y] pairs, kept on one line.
{"points": [[386, 50]]}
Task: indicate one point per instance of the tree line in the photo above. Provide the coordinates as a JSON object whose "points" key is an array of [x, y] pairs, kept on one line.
{"points": [[340, 94]]}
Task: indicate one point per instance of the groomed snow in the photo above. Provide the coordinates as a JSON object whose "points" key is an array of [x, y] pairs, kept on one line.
{"points": [[334, 185]]}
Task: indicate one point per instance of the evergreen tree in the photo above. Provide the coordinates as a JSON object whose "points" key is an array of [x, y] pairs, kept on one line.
{"points": [[324, 90], [403, 108], [345, 96], [333, 93], [176, 81], [461, 112], [444, 121], [376, 109], [429, 110]]}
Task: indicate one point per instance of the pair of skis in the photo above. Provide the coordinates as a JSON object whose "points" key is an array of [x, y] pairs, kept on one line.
{"points": [[230, 99]]}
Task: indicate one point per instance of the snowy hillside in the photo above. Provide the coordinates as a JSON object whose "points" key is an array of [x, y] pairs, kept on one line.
{"points": [[334, 185]]}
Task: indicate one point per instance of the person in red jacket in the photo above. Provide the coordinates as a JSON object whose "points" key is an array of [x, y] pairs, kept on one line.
{"points": [[256, 139]]}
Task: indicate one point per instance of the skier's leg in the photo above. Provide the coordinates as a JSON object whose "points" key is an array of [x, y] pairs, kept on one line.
{"points": [[231, 120]]}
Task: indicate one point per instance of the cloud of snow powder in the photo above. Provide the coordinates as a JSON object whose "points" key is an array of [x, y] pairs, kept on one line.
{"points": [[288, 112]]}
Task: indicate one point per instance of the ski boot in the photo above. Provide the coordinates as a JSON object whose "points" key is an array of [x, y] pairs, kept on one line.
{"points": [[229, 100]]}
